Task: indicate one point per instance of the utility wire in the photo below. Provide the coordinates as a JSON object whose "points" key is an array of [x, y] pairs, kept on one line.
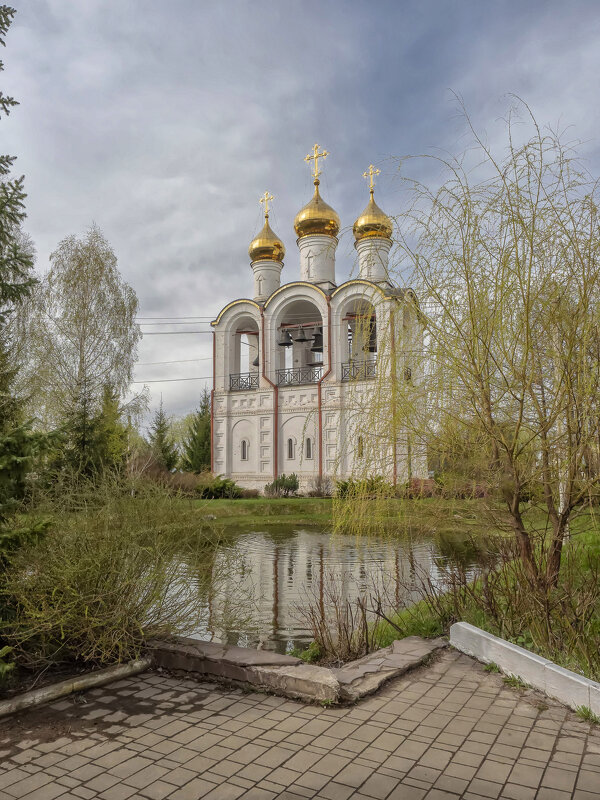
{"points": [[174, 380], [179, 361]]}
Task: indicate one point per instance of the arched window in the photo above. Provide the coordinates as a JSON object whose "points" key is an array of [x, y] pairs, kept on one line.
{"points": [[245, 449], [309, 448], [360, 449], [290, 449]]}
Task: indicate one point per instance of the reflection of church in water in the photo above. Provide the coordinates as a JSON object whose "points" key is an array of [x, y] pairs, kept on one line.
{"points": [[290, 364], [281, 572]]}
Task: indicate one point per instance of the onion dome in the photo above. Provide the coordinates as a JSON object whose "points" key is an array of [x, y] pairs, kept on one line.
{"points": [[267, 246], [373, 222], [317, 217]]}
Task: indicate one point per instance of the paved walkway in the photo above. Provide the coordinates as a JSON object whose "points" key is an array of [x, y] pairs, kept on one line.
{"points": [[445, 731]]}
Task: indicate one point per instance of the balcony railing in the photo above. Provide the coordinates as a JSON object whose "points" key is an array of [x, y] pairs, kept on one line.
{"points": [[243, 381], [299, 375], [359, 370]]}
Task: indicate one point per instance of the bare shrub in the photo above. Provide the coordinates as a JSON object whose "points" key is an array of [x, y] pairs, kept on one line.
{"points": [[320, 486], [107, 578], [342, 629]]}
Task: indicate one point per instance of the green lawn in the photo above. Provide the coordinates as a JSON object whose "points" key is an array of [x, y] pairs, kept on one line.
{"points": [[261, 511], [416, 517]]}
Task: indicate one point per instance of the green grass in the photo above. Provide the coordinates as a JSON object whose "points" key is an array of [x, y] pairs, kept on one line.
{"points": [[587, 715], [515, 682], [260, 512], [491, 667], [450, 518]]}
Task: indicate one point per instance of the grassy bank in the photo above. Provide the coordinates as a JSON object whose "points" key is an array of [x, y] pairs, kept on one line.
{"points": [[260, 512], [563, 626], [391, 515]]}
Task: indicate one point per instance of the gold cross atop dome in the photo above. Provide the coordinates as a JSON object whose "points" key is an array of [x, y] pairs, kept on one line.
{"points": [[370, 174], [315, 157], [266, 199]]}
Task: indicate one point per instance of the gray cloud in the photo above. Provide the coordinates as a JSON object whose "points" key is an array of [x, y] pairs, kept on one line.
{"points": [[164, 123]]}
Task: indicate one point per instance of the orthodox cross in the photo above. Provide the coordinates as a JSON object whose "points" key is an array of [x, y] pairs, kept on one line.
{"points": [[370, 174], [315, 157], [266, 199]]}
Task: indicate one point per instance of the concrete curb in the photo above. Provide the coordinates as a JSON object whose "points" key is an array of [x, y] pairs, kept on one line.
{"points": [[56, 690], [290, 676], [568, 687]]}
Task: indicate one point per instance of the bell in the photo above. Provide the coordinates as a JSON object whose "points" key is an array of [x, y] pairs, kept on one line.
{"points": [[256, 362], [317, 345], [285, 340], [302, 336]]}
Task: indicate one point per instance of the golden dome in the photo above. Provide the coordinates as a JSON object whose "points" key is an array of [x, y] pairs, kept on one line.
{"points": [[266, 246], [373, 222], [316, 217]]}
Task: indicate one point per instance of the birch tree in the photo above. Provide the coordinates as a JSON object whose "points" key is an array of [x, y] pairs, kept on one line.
{"points": [[82, 330]]}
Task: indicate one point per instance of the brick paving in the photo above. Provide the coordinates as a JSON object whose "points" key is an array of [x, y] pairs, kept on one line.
{"points": [[448, 730]]}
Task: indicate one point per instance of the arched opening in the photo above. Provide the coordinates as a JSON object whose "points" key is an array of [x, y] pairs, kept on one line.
{"points": [[359, 340], [309, 447], [300, 344], [244, 449], [244, 348], [290, 449]]}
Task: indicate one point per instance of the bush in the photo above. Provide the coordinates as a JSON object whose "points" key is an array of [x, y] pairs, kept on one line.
{"points": [[250, 494], [103, 581], [320, 486], [283, 486], [216, 487], [374, 486]]}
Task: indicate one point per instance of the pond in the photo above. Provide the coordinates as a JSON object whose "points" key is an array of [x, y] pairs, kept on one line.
{"points": [[268, 576]]}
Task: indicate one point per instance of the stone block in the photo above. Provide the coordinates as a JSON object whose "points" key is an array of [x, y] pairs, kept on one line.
{"points": [[571, 689], [305, 681]]}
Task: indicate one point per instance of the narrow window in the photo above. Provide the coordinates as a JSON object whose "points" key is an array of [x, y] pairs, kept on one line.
{"points": [[309, 448], [360, 449], [290, 449], [244, 450]]}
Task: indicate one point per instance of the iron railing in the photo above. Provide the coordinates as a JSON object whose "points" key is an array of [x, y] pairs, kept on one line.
{"points": [[299, 375], [359, 370], [243, 381]]}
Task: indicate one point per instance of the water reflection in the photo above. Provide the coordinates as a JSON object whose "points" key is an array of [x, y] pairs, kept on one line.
{"points": [[269, 574]]}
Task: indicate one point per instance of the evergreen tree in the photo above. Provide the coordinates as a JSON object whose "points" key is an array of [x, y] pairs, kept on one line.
{"points": [[111, 441], [163, 448], [196, 447], [16, 260], [17, 442]]}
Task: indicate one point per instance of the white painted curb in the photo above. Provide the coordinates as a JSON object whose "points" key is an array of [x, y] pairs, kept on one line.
{"points": [[568, 687]]}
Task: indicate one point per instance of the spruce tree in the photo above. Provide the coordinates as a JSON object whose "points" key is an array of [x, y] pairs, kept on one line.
{"points": [[196, 447], [163, 448], [17, 442], [111, 441]]}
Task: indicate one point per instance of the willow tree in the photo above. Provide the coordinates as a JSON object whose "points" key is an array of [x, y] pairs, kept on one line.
{"points": [[82, 332], [505, 261]]}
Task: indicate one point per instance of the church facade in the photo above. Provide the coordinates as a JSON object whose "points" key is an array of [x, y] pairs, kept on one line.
{"points": [[295, 367]]}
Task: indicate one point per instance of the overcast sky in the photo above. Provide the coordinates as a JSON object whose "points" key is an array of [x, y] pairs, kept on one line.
{"points": [[163, 122]]}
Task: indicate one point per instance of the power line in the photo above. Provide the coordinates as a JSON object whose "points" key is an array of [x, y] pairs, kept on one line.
{"points": [[179, 361], [170, 333], [174, 380]]}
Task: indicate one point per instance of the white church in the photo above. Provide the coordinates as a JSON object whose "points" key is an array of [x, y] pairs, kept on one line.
{"points": [[294, 367]]}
